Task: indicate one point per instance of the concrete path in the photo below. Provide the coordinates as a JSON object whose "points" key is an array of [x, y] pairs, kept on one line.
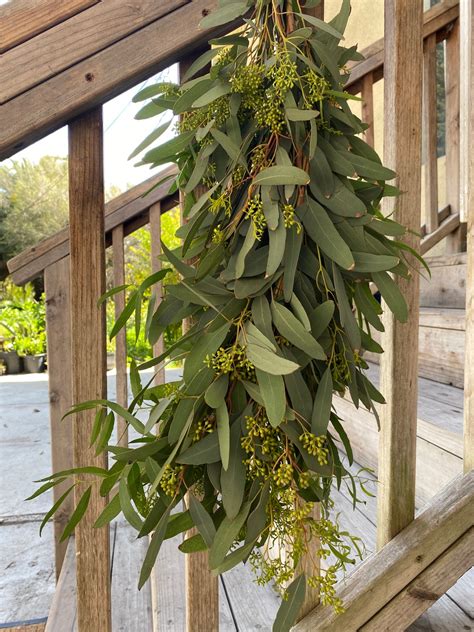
{"points": [[26, 560]]}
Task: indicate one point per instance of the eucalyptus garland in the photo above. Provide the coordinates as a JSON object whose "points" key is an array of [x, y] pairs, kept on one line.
{"points": [[283, 238]]}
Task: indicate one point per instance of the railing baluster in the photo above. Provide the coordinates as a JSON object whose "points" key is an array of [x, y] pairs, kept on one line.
{"points": [[430, 133], [155, 234], [58, 328], [367, 94], [86, 227], [399, 365], [455, 242], [118, 262]]}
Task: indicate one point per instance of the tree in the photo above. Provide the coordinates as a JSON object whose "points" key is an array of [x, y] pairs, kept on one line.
{"points": [[33, 204]]}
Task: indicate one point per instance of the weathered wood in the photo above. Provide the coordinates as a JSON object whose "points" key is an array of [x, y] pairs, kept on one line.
{"points": [[76, 39], [443, 616], [454, 241], [461, 593], [62, 614], [434, 446], [128, 603], [467, 213], [118, 263], [155, 235], [99, 78], [381, 577], [430, 133], [58, 327], [128, 208], [447, 285], [446, 227], [86, 217], [435, 20], [22, 19], [368, 107], [427, 588], [442, 215], [403, 82]]}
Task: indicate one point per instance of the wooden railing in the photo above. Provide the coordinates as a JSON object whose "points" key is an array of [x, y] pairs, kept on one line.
{"points": [[79, 255]]}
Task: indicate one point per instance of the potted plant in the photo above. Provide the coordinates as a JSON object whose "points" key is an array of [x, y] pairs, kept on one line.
{"points": [[11, 359], [32, 348]]}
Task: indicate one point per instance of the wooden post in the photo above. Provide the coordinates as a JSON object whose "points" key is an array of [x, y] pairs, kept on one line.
{"points": [[155, 233], [430, 134], [467, 214], [86, 227], [399, 365], [118, 263], [368, 108], [58, 329], [455, 241]]}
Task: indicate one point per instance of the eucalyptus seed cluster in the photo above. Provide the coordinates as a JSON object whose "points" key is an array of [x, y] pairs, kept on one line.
{"points": [[265, 447], [254, 211], [203, 427], [171, 479], [316, 87], [220, 203], [289, 217], [231, 360], [316, 446]]}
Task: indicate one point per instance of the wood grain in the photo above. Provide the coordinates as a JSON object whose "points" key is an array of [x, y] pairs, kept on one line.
{"points": [[118, 263], [97, 79], [86, 217], [58, 328], [76, 39], [62, 616], [447, 285], [430, 133], [399, 368], [427, 588], [381, 577], [23, 19], [367, 94], [447, 227]]}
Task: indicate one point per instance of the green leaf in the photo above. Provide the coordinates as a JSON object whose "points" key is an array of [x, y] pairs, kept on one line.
{"points": [[281, 175], [202, 520], [216, 392], [322, 231], [194, 544], [295, 114], [292, 329], [262, 317], [224, 14], [111, 511], [391, 295], [348, 320], [199, 63], [225, 536], [223, 432], [204, 451], [170, 149], [153, 91], [233, 479], [291, 606], [268, 361], [77, 514], [367, 262], [205, 346], [277, 240], [272, 388], [321, 317], [154, 135], [294, 241], [45, 487], [125, 314], [227, 144], [366, 168], [321, 25], [112, 292], [126, 504], [322, 405], [219, 90], [154, 548]]}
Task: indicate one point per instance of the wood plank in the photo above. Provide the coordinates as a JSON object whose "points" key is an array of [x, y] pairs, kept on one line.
{"points": [[442, 215], [118, 264], [467, 213], [447, 285], [368, 107], [443, 318], [443, 616], [462, 591], [438, 452], [62, 614], [425, 589], [58, 327], [76, 39], [155, 236], [33, 627], [430, 133], [128, 603], [449, 225], [402, 151], [131, 206], [46, 107], [22, 19], [381, 577], [454, 242], [86, 217]]}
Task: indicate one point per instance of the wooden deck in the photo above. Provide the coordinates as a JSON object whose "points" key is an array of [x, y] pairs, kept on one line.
{"points": [[244, 606]]}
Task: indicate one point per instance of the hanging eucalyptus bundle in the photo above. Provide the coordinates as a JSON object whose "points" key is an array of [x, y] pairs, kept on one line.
{"points": [[282, 239]]}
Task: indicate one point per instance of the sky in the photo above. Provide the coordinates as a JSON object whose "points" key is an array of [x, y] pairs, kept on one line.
{"points": [[122, 133]]}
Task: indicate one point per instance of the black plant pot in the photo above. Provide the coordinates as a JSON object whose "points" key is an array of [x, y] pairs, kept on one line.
{"points": [[12, 361], [34, 363]]}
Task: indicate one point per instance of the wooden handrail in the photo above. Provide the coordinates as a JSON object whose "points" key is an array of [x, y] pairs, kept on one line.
{"points": [[129, 209], [437, 20]]}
